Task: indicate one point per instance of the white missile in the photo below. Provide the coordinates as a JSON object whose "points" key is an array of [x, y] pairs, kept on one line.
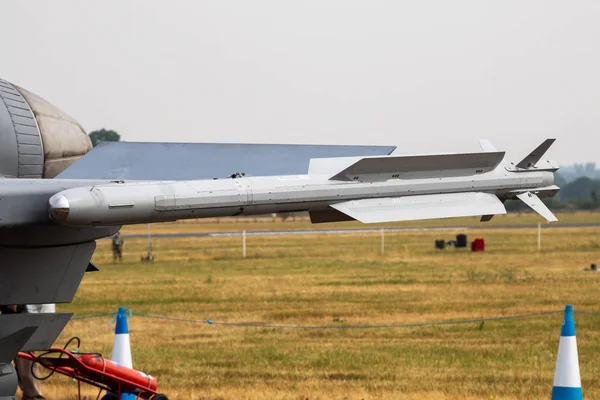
{"points": [[367, 189]]}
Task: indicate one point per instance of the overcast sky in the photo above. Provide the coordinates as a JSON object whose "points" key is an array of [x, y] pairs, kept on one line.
{"points": [[427, 76]]}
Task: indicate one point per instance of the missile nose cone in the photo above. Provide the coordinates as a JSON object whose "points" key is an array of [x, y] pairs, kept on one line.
{"points": [[58, 208]]}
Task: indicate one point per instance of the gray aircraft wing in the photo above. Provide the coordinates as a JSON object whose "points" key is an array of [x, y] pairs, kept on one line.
{"points": [[43, 262], [189, 161]]}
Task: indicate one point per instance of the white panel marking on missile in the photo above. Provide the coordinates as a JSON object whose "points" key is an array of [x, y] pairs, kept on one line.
{"points": [[165, 202], [410, 208]]}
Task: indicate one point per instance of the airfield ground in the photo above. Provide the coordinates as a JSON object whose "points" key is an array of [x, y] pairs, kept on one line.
{"points": [[344, 279]]}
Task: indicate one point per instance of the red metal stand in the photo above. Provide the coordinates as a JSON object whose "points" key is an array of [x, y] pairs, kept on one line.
{"points": [[117, 380]]}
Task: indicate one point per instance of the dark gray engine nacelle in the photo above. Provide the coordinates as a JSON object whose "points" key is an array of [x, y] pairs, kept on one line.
{"points": [[37, 140]]}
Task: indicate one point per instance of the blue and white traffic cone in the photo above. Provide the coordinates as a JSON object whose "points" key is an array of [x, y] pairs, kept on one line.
{"points": [[121, 353], [567, 382]]}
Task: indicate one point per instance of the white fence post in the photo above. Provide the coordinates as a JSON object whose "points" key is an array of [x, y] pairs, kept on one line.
{"points": [[149, 244], [244, 243]]}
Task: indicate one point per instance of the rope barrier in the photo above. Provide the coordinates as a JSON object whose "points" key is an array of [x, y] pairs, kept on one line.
{"points": [[409, 325], [264, 325], [94, 316], [587, 313]]}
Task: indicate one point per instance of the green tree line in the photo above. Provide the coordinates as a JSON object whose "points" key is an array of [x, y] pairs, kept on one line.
{"points": [[103, 135]]}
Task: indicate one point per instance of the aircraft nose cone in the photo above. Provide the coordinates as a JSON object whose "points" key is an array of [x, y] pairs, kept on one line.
{"points": [[59, 208]]}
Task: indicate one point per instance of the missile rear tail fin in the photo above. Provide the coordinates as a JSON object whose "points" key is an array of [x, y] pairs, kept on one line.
{"points": [[487, 146], [536, 204], [536, 155]]}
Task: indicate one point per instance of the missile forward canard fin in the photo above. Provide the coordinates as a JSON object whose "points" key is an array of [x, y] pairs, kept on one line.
{"points": [[536, 204], [412, 208], [377, 169]]}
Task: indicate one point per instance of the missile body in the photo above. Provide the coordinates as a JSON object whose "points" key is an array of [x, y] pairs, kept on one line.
{"points": [[364, 190]]}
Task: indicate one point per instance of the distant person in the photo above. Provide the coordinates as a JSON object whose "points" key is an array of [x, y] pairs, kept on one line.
{"points": [[117, 247], [27, 370]]}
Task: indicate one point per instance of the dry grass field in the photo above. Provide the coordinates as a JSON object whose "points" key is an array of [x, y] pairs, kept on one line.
{"points": [[336, 280]]}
